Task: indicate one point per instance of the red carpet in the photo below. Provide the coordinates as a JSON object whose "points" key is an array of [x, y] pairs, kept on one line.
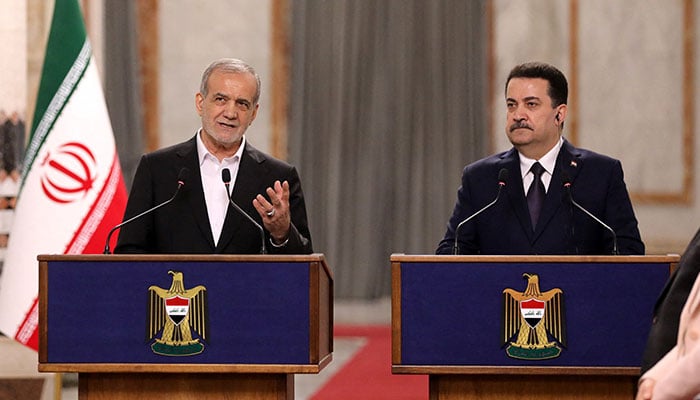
{"points": [[368, 374]]}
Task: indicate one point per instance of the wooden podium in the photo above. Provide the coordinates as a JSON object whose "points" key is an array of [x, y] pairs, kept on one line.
{"points": [[474, 325], [185, 326]]}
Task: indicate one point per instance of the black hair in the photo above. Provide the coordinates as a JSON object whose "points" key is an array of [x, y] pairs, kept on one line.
{"points": [[558, 89]]}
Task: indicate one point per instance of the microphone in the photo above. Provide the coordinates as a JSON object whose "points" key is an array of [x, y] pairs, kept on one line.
{"points": [[181, 179], [502, 177], [226, 177], [567, 184]]}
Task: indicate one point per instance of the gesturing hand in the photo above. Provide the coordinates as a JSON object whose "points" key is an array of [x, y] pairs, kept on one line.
{"points": [[275, 213]]}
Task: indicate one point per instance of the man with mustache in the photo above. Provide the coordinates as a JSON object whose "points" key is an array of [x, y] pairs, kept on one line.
{"points": [[200, 218], [536, 97]]}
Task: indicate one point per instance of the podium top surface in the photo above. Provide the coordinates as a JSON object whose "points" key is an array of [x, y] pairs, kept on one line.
{"points": [[305, 258], [184, 257], [432, 258]]}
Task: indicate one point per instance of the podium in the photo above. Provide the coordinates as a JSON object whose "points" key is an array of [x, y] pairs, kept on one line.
{"points": [[525, 327], [185, 326]]}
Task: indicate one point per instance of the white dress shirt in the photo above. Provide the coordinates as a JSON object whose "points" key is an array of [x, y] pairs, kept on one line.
{"points": [[215, 196], [547, 161]]}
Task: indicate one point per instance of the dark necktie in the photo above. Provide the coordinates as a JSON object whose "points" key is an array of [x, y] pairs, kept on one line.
{"points": [[535, 195]]}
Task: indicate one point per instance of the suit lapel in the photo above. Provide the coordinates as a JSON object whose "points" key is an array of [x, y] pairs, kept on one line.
{"points": [[249, 183], [198, 206], [514, 188], [568, 160]]}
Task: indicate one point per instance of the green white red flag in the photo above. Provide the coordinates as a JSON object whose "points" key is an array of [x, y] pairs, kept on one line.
{"points": [[72, 189]]}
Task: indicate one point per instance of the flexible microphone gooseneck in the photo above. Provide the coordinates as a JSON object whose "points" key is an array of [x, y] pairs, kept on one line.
{"points": [[226, 177], [502, 177], [567, 185], [181, 179]]}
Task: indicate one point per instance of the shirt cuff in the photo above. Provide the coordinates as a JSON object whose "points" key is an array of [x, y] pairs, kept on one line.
{"points": [[272, 242]]}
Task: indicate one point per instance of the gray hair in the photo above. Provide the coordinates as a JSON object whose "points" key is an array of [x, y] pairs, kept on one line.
{"points": [[229, 65]]}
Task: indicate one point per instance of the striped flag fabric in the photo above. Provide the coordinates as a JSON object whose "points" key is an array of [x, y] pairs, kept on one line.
{"points": [[72, 190]]}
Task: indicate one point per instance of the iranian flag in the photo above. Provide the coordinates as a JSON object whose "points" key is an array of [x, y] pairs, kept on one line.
{"points": [[72, 190]]}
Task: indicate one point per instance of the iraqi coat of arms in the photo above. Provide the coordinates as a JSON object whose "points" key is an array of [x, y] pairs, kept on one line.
{"points": [[533, 322], [176, 313]]}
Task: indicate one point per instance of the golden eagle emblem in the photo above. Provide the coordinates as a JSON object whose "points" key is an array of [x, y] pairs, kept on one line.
{"points": [[177, 312], [530, 318]]}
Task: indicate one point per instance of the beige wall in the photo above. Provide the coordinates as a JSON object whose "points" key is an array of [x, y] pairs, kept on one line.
{"points": [[628, 99], [13, 25], [194, 33]]}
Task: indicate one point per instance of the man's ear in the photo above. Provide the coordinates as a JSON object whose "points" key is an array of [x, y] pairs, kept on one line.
{"points": [[561, 114], [198, 100]]}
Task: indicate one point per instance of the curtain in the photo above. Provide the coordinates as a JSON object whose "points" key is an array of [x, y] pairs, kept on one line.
{"points": [[122, 83], [388, 103]]}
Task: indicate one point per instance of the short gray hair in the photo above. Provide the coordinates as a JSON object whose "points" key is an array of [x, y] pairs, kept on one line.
{"points": [[229, 65]]}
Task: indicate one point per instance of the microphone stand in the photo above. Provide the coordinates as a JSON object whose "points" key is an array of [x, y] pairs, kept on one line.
{"points": [[226, 177], [567, 185], [109, 235], [455, 248]]}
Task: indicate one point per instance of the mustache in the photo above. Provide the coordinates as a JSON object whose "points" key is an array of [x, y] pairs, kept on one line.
{"points": [[519, 125]]}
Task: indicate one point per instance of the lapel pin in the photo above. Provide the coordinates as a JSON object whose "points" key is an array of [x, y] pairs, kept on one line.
{"points": [[573, 164]]}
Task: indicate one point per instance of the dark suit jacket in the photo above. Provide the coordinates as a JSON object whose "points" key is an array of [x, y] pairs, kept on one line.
{"points": [[667, 311], [596, 184], [183, 225]]}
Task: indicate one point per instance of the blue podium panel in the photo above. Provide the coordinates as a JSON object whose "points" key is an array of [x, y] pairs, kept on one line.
{"points": [[254, 313], [455, 314]]}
